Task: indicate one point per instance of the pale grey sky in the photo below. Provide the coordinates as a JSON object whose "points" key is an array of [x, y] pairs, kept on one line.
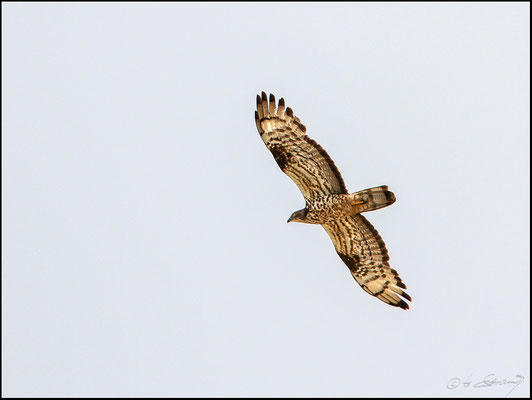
{"points": [[144, 236]]}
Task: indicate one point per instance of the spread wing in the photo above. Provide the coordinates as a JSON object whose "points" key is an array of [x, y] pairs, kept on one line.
{"points": [[362, 249], [299, 157]]}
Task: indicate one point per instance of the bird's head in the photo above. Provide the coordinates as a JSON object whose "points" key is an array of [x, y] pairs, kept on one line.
{"points": [[298, 216]]}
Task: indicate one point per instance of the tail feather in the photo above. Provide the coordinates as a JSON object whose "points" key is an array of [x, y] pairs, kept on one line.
{"points": [[372, 199]]}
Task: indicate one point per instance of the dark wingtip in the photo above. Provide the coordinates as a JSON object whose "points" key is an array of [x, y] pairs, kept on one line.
{"points": [[406, 296], [281, 102], [403, 304], [289, 112], [258, 100], [264, 97], [272, 98]]}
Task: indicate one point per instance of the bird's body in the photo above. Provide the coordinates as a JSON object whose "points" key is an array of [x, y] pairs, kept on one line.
{"points": [[324, 209], [329, 204]]}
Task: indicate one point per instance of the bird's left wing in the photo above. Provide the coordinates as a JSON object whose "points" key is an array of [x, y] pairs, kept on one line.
{"points": [[361, 248], [298, 156]]}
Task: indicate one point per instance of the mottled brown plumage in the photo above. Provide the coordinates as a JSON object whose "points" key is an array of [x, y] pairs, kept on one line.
{"points": [[328, 203]]}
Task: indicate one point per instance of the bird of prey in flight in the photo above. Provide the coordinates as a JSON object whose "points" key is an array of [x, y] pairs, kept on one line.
{"points": [[328, 202]]}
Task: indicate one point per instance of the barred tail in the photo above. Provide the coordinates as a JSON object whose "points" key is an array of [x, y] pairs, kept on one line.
{"points": [[372, 199]]}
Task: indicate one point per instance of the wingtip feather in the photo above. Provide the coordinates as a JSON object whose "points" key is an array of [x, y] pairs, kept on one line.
{"points": [[272, 104], [403, 304], [406, 296], [264, 103]]}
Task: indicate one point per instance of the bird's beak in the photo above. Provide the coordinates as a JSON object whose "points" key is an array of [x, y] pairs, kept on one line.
{"points": [[289, 219]]}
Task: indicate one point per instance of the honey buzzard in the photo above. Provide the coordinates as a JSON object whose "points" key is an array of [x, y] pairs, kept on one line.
{"points": [[328, 203]]}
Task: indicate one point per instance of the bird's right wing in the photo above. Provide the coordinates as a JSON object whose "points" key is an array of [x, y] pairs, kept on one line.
{"points": [[361, 248], [298, 156]]}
